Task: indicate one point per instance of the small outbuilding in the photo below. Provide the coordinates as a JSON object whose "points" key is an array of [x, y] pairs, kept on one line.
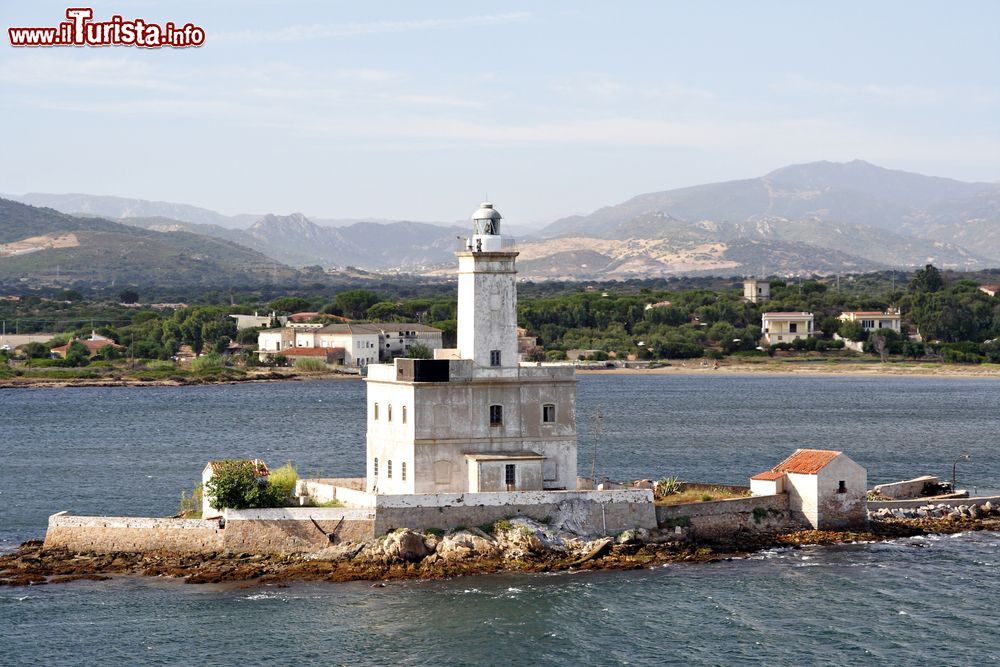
{"points": [[825, 488]]}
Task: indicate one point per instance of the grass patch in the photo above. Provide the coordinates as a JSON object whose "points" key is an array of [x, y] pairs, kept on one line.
{"points": [[701, 496], [436, 532], [682, 521], [308, 365], [330, 503]]}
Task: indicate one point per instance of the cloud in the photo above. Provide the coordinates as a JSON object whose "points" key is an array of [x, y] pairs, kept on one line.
{"points": [[607, 89], [46, 70], [904, 94], [299, 33]]}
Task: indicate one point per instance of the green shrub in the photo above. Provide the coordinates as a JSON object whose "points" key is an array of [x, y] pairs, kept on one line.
{"points": [[235, 485], [667, 486], [209, 363], [308, 365], [282, 481], [190, 505]]}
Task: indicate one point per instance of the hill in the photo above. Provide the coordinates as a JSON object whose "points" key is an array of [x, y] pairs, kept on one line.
{"points": [[851, 214], [39, 246]]}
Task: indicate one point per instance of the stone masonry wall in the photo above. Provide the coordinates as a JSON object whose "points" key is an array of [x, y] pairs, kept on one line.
{"points": [[719, 519], [134, 534], [294, 530]]}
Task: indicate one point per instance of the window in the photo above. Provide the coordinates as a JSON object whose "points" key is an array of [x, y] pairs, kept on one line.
{"points": [[548, 413], [388, 413], [388, 469], [496, 415], [842, 487], [494, 357], [402, 471], [793, 327], [867, 324], [404, 414], [508, 474], [375, 468], [375, 411]]}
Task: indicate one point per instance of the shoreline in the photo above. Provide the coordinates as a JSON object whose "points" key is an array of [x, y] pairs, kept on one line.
{"points": [[31, 565], [818, 368], [806, 368]]}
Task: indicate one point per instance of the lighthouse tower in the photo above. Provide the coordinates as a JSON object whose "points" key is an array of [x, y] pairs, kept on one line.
{"points": [[473, 419], [487, 296]]}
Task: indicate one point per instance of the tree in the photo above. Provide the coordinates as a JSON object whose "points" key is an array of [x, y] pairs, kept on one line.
{"points": [[35, 351], [290, 304], [71, 295], [109, 352], [927, 279], [383, 311], [852, 330], [418, 351], [878, 343], [355, 303], [77, 354], [128, 296], [235, 485]]}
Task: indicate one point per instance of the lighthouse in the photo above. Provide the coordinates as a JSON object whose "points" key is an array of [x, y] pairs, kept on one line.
{"points": [[487, 295], [474, 419]]}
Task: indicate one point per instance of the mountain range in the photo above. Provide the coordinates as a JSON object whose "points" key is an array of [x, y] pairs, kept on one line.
{"points": [[821, 217]]}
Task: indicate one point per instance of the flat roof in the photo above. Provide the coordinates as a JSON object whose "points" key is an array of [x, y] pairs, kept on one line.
{"points": [[497, 456]]}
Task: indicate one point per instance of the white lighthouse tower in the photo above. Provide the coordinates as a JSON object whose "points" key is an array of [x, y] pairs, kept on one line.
{"points": [[487, 295], [474, 419]]}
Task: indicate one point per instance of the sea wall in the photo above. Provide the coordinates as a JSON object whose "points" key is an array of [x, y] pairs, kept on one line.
{"points": [[907, 489], [102, 534], [716, 519], [295, 529]]}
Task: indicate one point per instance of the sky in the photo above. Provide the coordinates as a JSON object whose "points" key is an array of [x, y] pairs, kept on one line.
{"points": [[407, 110]]}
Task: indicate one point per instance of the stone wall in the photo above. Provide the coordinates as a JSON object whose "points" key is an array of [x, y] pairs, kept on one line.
{"points": [[910, 488], [103, 534], [717, 519], [295, 529]]}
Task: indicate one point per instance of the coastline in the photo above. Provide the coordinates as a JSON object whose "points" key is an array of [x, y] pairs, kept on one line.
{"points": [[808, 368], [820, 368], [31, 565]]}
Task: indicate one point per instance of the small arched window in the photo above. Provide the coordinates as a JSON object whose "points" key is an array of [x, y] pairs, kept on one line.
{"points": [[375, 468], [388, 469], [388, 412], [404, 414], [375, 411], [402, 471]]}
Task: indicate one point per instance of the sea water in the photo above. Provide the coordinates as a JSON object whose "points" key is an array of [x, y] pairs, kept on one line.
{"points": [[130, 451]]}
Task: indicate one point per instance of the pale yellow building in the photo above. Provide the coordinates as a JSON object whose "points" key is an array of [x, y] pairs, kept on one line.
{"points": [[873, 320], [786, 327]]}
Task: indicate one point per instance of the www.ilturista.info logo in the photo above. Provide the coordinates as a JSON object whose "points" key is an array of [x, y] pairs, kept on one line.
{"points": [[80, 30]]}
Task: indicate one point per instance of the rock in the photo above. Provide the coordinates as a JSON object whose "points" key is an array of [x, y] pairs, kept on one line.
{"points": [[636, 536], [954, 514], [337, 552], [644, 484], [409, 546], [466, 544], [522, 536], [975, 512], [987, 507]]}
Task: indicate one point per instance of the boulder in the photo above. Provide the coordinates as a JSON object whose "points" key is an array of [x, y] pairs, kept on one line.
{"points": [[633, 536], [464, 544], [975, 512]]}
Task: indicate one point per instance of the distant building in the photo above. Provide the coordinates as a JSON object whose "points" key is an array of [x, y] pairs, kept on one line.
{"points": [[825, 488], [990, 289], [756, 291], [786, 327], [873, 320], [256, 320], [93, 344], [362, 344]]}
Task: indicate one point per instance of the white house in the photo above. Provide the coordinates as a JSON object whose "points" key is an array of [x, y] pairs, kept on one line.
{"points": [[825, 488], [473, 419], [362, 344], [756, 291], [786, 327], [873, 320], [257, 320]]}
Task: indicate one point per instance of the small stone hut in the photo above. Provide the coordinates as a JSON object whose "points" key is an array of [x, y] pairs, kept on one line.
{"points": [[825, 488]]}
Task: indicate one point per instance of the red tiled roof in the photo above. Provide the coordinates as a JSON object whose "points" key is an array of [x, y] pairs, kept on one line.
{"points": [[807, 461], [302, 317], [260, 468], [769, 475], [312, 351]]}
